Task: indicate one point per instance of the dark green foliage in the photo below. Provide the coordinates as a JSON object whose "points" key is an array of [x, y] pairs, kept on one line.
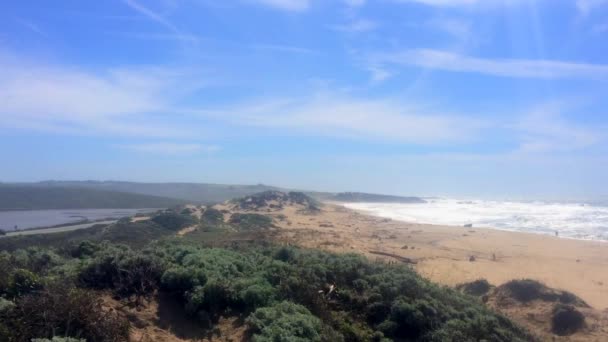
{"points": [[284, 290], [127, 273], [566, 320], [61, 311], [212, 216], [173, 221], [284, 321], [524, 290], [23, 282], [58, 339], [477, 288], [276, 200], [84, 249], [250, 222]]}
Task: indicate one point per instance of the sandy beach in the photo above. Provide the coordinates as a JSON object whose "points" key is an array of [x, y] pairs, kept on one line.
{"points": [[451, 255]]}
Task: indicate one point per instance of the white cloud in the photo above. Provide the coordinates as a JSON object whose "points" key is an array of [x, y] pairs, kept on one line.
{"points": [[458, 28], [154, 16], [336, 115], [518, 68], [286, 5], [132, 102], [358, 25], [354, 3], [544, 129], [600, 28], [170, 148], [284, 48], [585, 7], [461, 3], [31, 26]]}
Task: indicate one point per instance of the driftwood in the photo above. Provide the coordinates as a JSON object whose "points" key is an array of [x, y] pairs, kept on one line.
{"points": [[398, 257]]}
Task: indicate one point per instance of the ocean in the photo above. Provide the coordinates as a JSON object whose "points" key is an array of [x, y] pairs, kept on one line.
{"points": [[570, 220]]}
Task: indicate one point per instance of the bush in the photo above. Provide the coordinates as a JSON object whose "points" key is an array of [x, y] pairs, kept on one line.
{"points": [[212, 216], [58, 339], [250, 222], [566, 320], [524, 290], [285, 321], [64, 311], [173, 221], [475, 288], [23, 282], [126, 272], [180, 279]]}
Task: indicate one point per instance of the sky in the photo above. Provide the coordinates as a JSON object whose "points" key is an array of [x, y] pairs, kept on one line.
{"points": [[468, 98]]}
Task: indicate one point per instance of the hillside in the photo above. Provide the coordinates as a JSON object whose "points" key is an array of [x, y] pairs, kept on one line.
{"points": [[374, 198], [192, 192], [21, 197]]}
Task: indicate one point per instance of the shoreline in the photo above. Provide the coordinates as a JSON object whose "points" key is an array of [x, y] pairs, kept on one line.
{"points": [[372, 213], [450, 255]]}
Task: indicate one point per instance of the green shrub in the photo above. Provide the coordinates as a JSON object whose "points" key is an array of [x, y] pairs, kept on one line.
{"points": [[64, 311], [173, 221], [58, 339], [250, 222], [524, 290], [284, 321], [24, 282], [127, 273], [181, 279], [212, 216], [475, 288], [566, 320]]}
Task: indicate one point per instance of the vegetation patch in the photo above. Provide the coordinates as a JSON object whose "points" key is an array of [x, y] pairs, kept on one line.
{"points": [[277, 200], [527, 290], [476, 288], [566, 320], [61, 310], [283, 293], [250, 222]]}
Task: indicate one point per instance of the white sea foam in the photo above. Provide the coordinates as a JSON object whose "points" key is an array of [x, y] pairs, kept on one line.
{"points": [[572, 220]]}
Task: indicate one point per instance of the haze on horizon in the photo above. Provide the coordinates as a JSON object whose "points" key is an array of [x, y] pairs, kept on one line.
{"points": [[499, 99]]}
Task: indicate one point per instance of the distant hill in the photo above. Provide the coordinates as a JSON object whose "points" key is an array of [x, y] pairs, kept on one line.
{"points": [[58, 197], [374, 198], [192, 192]]}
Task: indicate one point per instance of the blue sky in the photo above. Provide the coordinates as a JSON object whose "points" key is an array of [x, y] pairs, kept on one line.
{"points": [[492, 98]]}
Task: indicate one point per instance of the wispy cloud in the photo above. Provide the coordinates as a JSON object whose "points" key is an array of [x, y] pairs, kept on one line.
{"points": [[337, 115], [158, 36], [585, 7], [286, 5], [544, 129], [455, 27], [31, 26], [170, 148], [357, 25], [152, 15], [283, 48], [600, 28], [460, 3], [354, 3], [131, 102], [517, 68]]}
